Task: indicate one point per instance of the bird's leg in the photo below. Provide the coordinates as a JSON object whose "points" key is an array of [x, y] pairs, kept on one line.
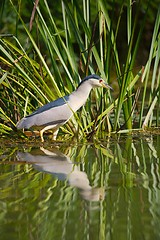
{"points": [[55, 132], [41, 135], [47, 152]]}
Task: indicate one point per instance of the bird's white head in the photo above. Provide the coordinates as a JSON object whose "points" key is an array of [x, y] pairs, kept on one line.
{"points": [[95, 81]]}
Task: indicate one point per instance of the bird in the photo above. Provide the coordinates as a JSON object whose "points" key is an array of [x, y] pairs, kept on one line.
{"points": [[56, 113]]}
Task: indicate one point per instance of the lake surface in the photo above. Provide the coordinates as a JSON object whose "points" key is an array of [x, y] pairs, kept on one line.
{"points": [[109, 189]]}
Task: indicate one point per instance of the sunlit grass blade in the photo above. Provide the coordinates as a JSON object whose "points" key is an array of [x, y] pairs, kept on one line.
{"points": [[148, 66]]}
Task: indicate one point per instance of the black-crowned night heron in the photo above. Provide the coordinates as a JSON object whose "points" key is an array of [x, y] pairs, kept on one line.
{"points": [[56, 113]]}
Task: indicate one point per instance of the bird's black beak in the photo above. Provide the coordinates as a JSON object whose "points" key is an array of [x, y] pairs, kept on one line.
{"points": [[105, 85]]}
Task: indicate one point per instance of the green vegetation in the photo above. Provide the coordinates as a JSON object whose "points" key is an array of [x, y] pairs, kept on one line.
{"points": [[46, 48]]}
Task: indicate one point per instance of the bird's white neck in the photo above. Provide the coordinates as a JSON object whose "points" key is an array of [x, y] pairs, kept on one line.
{"points": [[80, 95], [83, 90]]}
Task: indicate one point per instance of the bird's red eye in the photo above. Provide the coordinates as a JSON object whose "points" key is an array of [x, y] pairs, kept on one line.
{"points": [[100, 81]]}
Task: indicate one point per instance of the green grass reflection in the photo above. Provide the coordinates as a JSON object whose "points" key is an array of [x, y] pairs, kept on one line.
{"points": [[103, 190]]}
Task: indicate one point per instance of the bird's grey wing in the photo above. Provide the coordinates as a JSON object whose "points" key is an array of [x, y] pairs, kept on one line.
{"points": [[53, 113], [57, 103], [57, 115]]}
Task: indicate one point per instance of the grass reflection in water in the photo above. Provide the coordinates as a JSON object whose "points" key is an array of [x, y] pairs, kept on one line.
{"points": [[106, 190]]}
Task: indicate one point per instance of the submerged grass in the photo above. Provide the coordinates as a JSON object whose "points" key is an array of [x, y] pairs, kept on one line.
{"points": [[57, 53]]}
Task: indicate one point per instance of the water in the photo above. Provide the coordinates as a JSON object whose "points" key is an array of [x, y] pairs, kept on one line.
{"points": [[106, 190]]}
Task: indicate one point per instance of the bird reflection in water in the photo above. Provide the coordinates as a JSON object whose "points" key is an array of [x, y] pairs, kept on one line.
{"points": [[60, 165]]}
